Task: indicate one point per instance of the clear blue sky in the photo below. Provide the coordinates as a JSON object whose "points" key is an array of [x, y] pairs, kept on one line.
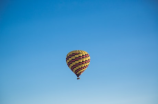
{"points": [[120, 36]]}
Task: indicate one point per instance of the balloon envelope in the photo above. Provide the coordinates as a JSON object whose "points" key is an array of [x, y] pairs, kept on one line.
{"points": [[78, 61]]}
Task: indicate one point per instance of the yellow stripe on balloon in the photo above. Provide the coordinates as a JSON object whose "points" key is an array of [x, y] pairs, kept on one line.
{"points": [[83, 59], [80, 67], [77, 51], [81, 70], [73, 57]]}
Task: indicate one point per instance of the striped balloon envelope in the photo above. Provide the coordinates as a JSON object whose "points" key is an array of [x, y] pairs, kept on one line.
{"points": [[78, 61]]}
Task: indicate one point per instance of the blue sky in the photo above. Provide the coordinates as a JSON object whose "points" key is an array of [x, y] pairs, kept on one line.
{"points": [[120, 36]]}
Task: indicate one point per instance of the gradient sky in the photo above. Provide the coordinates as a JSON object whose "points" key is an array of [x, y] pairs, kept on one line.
{"points": [[120, 36]]}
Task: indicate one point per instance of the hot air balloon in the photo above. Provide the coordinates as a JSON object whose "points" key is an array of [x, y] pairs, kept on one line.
{"points": [[78, 61]]}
